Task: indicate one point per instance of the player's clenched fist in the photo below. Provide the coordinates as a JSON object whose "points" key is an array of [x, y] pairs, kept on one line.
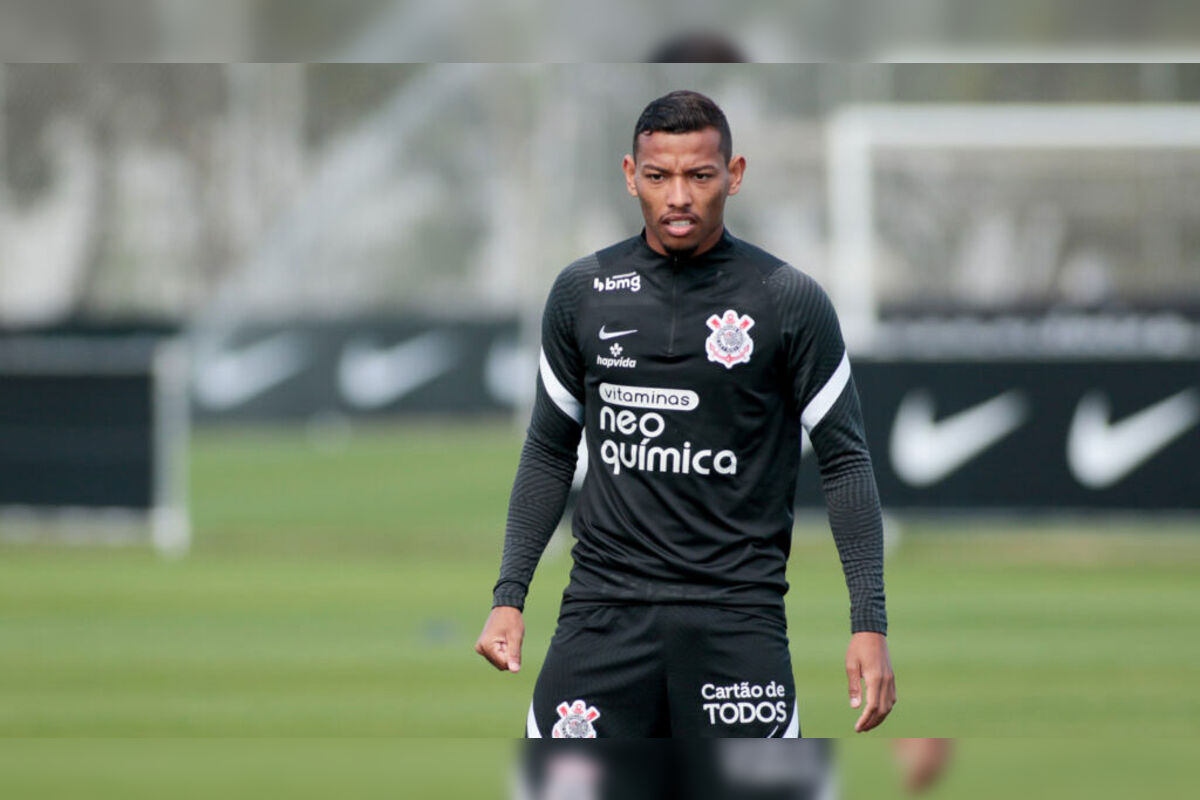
{"points": [[500, 642]]}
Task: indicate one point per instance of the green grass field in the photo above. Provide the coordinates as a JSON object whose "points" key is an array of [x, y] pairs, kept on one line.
{"points": [[335, 590]]}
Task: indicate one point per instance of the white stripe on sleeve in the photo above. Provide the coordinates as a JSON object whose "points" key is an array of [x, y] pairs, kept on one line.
{"points": [[819, 406], [558, 393]]}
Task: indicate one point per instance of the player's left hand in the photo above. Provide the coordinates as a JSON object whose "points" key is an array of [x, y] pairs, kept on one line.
{"points": [[868, 663]]}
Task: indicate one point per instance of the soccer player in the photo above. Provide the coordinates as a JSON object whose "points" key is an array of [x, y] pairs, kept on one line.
{"points": [[690, 360]]}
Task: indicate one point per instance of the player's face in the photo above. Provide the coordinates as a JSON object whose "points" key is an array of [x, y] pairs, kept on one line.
{"points": [[682, 181]]}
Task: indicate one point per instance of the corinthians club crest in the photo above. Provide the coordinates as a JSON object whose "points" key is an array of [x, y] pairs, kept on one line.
{"points": [[575, 721], [729, 343]]}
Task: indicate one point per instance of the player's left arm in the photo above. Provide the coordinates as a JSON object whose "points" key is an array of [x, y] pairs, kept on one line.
{"points": [[855, 516], [827, 399]]}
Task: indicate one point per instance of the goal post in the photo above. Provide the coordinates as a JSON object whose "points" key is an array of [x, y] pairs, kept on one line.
{"points": [[93, 441], [857, 134]]}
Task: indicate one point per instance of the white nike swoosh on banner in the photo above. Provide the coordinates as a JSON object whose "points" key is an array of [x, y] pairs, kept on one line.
{"points": [[510, 372], [614, 334], [372, 377], [228, 378], [925, 451], [1101, 452]]}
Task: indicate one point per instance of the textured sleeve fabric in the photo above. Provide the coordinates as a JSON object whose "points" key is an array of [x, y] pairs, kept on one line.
{"points": [[827, 402], [547, 464]]}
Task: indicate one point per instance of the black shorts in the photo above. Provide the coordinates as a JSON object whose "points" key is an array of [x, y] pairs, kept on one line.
{"points": [[649, 670]]}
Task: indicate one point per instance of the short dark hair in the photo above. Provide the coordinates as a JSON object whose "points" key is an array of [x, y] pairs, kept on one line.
{"points": [[684, 111]]}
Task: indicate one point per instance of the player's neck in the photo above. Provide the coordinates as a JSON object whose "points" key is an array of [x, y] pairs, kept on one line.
{"points": [[683, 255]]}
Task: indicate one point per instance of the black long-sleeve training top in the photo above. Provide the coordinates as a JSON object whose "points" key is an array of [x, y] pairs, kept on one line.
{"points": [[692, 378]]}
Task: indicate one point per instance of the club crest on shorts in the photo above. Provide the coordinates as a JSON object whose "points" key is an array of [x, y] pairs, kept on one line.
{"points": [[575, 721], [729, 343]]}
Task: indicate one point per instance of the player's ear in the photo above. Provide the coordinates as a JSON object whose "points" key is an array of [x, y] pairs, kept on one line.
{"points": [[630, 169], [737, 168]]}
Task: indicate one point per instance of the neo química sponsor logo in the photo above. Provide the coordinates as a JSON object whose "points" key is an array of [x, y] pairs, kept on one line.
{"points": [[644, 456]]}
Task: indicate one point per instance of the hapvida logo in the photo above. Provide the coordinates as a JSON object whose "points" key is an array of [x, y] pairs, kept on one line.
{"points": [[625, 362]]}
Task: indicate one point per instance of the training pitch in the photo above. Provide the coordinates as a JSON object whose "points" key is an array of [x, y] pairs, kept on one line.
{"points": [[339, 578]]}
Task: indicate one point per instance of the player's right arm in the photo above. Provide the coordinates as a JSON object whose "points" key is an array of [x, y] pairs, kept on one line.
{"points": [[543, 481]]}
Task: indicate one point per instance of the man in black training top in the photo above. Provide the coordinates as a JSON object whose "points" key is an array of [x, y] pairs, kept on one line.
{"points": [[690, 360]]}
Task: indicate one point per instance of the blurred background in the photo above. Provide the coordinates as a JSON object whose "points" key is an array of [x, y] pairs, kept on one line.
{"points": [[267, 344], [372, 31]]}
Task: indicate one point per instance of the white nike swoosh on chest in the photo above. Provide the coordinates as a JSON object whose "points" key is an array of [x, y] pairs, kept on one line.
{"points": [[614, 334], [228, 378], [1101, 452], [370, 376], [925, 451]]}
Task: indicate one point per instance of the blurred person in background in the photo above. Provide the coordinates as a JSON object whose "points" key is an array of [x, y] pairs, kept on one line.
{"points": [[697, 47], [692, 360], [709, 770]]}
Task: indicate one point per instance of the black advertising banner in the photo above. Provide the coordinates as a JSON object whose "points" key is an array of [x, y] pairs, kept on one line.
{"points": [[360, 368], [76, 440], [955, 434], [946, 433], [1030, 435], [76, 433]]}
